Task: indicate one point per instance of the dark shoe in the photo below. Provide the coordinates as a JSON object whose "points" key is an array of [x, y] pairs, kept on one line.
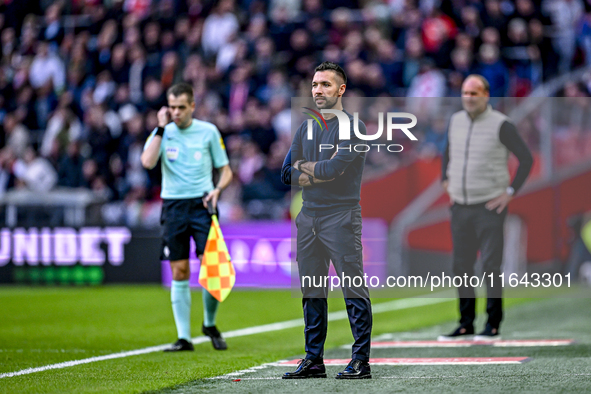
{"points": [[488, 334], [216, 337], [307, 369], [461, 333], [356, 369], [180, 345]]}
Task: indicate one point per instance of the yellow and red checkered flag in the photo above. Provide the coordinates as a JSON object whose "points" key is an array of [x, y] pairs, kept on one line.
{"points": [[217, 274]]}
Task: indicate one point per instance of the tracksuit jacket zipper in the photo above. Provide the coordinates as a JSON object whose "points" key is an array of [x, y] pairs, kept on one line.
{"points": [[464, 172]]}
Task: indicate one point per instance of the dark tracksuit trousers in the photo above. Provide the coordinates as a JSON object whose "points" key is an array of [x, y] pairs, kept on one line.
{"points": [[335, 237], [474, 228]]}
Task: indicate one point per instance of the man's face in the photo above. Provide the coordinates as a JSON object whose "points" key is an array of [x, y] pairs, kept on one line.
{"points": [[181, 110], [327, 87], [474, 96]]}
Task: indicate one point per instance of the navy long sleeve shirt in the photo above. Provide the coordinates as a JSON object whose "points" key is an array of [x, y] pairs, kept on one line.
{"points": [[345, 169]]}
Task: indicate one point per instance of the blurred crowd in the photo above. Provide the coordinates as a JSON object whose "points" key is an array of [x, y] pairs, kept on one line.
{"points": [[81, 81]]}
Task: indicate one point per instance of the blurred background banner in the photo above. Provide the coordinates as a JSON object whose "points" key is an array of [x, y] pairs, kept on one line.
{"points": [[262, 253], [85, 255]]}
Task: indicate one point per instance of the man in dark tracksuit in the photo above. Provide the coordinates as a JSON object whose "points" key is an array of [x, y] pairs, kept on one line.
{"points": [[476, 177], [329, 227]]}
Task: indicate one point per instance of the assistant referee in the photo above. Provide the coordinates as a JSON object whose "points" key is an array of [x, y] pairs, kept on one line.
{"points": [[189, 149]]}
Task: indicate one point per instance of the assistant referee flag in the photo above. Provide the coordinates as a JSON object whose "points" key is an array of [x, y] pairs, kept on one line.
{"points": [[217, 274]]}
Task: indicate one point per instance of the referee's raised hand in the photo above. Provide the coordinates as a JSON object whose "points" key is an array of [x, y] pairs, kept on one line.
{"points": [[163, 117]]}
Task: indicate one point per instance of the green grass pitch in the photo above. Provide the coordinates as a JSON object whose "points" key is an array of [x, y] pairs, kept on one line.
{"points": [[43, 325]]}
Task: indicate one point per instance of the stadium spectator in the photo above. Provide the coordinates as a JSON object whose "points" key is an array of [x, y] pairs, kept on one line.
{"points": [[34, 172], [519, 57], [493, 69], [565, 16], [9, 42], [493, 16], [16, 134], [584, 38], [435, 139], [429, 82], [119, 68], [47, 67], [99, 136], [7, 177], [544, 47], [438, 30], [53, 30], [219, 27], [413, 54], [137, 60], [70, 172], [62, 128], [461, 60]]}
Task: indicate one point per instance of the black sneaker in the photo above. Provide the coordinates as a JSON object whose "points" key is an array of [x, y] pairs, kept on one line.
{"points": [[460, 333], [488, 334], [216, 337], [356, 369], [307, 369], [180, 345]]}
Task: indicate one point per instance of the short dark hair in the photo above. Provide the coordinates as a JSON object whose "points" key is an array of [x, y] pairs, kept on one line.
{"points": [[330, 66], [181, 88], [482, 79]]}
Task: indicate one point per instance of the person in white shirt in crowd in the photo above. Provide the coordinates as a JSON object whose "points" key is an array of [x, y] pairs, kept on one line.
{"points": [[47, 66]]}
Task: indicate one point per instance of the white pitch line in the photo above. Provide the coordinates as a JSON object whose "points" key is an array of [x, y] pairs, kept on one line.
{"points": [[400, 304], [409, 377], [381, 377], [423, 377], [393, 364], [340, 315]]}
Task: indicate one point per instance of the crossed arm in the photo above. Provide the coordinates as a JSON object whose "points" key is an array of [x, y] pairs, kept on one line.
{"points": [[299, 175], [306, 173], [307, 167], [307, 170], [304, 180]]}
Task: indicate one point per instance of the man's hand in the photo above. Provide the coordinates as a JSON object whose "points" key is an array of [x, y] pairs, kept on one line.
{"points": [[304, 180], [163, 117], [307, 167], [499, 202], [444, 185], [212, 196]]}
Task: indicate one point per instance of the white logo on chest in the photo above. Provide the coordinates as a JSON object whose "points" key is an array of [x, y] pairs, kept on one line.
{"points": [[198, 155]]}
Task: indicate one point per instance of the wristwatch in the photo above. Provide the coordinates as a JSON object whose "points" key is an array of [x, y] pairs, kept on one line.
{"points": [[510, 191], [299, 166], [311, 179]]}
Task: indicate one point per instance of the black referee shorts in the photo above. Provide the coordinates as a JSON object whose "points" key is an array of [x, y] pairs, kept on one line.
{"points": [[182, 219]]}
